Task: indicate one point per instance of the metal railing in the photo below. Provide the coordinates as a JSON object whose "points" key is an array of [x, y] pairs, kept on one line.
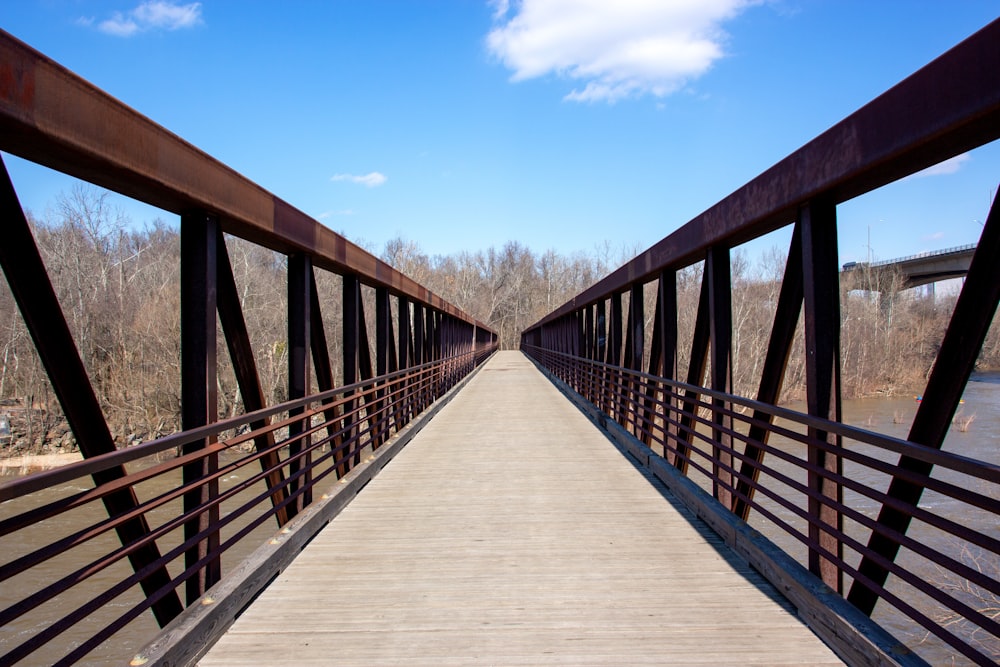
{"points": [[858, 266], [152, 528], [855, 534]]}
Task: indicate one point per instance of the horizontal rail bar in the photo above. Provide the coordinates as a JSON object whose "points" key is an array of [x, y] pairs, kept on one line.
{"points": [[950, 106], [664, 411], [52, 117]]}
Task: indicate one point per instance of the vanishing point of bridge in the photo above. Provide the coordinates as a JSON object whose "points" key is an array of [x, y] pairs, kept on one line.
{"points": [[437, 502]]}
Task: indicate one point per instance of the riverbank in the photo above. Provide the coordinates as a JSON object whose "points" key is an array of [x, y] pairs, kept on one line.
{"points": [[22, 464]]}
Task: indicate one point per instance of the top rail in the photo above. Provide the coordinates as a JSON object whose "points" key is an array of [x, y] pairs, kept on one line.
{"points": [[53, 117], [601, 341], [950, 106]]}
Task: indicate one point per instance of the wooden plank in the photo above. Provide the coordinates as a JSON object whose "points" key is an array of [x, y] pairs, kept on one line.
{"points": [[460, 553], [189, 635]]}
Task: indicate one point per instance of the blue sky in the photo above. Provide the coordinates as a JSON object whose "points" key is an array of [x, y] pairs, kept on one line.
{"points": [[463, 124]]}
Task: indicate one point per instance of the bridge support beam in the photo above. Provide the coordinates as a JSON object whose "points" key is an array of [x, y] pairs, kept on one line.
{"points": [[718, 275], [245, 368], [818, 220], [663, 355], [779, 347], [323, 367], [696, 372], [299, 348], [967, 330], [199, 394], [29, 284]]}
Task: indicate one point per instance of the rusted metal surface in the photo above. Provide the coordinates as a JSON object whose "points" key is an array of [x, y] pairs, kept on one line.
{"points": [[950, 106], [199, 392], [32, 290], [822, 342], [53, 117]]}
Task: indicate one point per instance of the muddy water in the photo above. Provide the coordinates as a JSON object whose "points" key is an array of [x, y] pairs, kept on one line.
{"points": [[975, 433], [120, 648], [892, 416]]}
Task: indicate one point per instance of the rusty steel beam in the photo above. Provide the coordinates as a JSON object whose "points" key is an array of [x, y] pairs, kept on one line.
{"points": [[948, 107], [245, 368], [199, 392], [300, 280], [351, 311], [52, 117], [700, 343], [720, 285], [970, 322], [383, 349], [822, 333], [779, 347], [364, 372], [30, 286], [322, 365]]}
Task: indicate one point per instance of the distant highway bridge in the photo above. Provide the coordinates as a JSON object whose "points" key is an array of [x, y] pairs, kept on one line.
{"points": [[914, 270]]}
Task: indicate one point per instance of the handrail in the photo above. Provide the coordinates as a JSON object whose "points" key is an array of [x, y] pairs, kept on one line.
{"points": [[385, 406], [604, 344], [950, 106], [52, 117], [420, 348], [672, 421]]}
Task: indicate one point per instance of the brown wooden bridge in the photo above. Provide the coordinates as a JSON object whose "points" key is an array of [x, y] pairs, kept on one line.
{"points": [[440, 503]]}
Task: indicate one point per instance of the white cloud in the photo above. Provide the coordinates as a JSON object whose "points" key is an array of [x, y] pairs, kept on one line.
{"points": [[949, 166], [371, 180], [151, 15], [331, 214], [620, 49]]}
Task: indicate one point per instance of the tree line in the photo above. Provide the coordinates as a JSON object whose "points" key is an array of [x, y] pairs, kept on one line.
{"points": [[119, 290]]}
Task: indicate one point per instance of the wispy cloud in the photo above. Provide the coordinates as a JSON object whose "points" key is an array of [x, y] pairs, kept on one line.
{"points": [[950, 166], [325, 215], [371, 180], [616, 50], [149, 15]]}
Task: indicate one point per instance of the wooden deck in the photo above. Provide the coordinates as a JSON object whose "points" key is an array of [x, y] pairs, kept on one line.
{"points": [[510, 531]]}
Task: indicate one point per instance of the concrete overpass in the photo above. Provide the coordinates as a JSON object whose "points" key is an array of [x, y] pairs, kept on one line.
{"points": [[912, 271]]}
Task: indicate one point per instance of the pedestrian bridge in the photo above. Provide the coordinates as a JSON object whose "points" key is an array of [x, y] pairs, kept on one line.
{"points": [[510, 531], [600, 496]]}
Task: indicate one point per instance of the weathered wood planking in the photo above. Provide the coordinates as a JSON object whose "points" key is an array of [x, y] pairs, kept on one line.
{"points": [[510, 532]]}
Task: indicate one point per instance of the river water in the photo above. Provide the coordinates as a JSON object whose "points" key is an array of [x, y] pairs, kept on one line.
{"points": [[891, 416]]}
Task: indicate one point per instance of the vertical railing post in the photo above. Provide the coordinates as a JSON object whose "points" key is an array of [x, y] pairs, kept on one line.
{"points": [[717, 272], [403, 355], [383, 343], [352, 315], [600, 398], [199, 399], [637, 335], [822, 333], [32, 290], [299, 347], [615, 357], [663, 356]]}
